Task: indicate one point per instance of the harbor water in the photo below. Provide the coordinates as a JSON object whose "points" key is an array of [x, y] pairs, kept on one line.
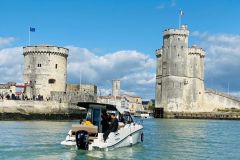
{"points": [[163, 139]]}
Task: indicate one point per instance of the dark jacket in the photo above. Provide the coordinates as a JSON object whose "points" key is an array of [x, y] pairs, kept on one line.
{"points": [[112, 128]]}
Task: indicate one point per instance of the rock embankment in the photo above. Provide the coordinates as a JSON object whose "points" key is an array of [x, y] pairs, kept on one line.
{"points": [[38, 110]]}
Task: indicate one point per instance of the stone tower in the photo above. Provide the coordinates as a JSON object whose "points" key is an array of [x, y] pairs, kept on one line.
{"points": [[45, 69], [116, 88], [180, 73]]}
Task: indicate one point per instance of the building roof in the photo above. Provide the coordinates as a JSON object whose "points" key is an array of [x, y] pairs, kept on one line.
{"points": [[126, 95]]}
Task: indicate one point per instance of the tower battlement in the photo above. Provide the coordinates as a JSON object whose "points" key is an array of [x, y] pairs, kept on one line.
{"points": [[45, 49], [159, 52], [196, 50], [183, 31]]}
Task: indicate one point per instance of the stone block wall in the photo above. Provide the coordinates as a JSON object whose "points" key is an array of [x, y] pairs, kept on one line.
{"points": [[72, 97], [37, 107], [214, 100]]}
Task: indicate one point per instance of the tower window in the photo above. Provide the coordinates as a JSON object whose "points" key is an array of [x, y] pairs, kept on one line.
{"points": [[51, 81], [39, 65], [56, 66]]}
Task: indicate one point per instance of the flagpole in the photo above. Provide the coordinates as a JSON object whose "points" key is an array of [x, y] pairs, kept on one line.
{"points": [[29, 36], [180, 18]]}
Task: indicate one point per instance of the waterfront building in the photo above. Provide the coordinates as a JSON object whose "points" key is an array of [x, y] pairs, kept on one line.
{"points": [[130, 102], [7, 89]]}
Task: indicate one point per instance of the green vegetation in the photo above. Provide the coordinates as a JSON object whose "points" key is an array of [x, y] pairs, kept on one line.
{"points": [[151, 107], [229, 110]]}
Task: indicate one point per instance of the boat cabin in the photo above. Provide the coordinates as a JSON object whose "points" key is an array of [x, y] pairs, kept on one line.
{"points": [[95, 110]]}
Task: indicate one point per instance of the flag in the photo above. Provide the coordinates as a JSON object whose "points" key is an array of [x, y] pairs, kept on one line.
{"points": [[32, 29], [181, 13]]}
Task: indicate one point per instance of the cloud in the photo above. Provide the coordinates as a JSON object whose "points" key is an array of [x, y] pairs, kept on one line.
{"points": [[167, 5], [11, 62], [5, 41], [222, 61], [134, 69]]}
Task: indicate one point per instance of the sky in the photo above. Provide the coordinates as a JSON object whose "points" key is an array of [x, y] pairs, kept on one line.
{"points": [[117, 39]]}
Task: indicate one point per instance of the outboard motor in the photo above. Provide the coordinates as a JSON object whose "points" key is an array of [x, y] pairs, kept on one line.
{"points": [[82, 140]]}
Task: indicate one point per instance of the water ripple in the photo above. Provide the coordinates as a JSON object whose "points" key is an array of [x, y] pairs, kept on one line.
{"points": [[163, 139]]}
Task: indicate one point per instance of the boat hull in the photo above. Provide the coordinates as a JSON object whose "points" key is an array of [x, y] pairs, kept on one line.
{"points": [[128, 135]]}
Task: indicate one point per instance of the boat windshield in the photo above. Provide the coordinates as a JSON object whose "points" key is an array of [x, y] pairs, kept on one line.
{"points": [[96, 117], [127, 117], [89, 114]]}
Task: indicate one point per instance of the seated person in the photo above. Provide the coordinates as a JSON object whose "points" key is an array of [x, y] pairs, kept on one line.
{"points": [[88, 122], [113, 126], [121, 118]]}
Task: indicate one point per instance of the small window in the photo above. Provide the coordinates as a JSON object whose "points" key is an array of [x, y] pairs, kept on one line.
{"points": [[56, 66], [51, 81], [39, 65]]}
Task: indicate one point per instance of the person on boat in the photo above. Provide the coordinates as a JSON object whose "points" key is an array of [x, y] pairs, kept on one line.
{"points": [[121, 118], [88, 122], [105, 121], [112, 128]]}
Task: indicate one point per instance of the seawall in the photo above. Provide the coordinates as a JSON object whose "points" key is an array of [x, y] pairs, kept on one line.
{"points": [[38, 110], [215, 100], [203, 115]]}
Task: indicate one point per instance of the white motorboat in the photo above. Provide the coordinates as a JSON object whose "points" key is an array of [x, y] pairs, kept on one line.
{"points": [[143, 114], [146, 115], [91, 137]]}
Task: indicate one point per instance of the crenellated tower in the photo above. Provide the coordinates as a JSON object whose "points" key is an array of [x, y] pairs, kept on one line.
{"points": [[45, 69], [180, 72]]}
